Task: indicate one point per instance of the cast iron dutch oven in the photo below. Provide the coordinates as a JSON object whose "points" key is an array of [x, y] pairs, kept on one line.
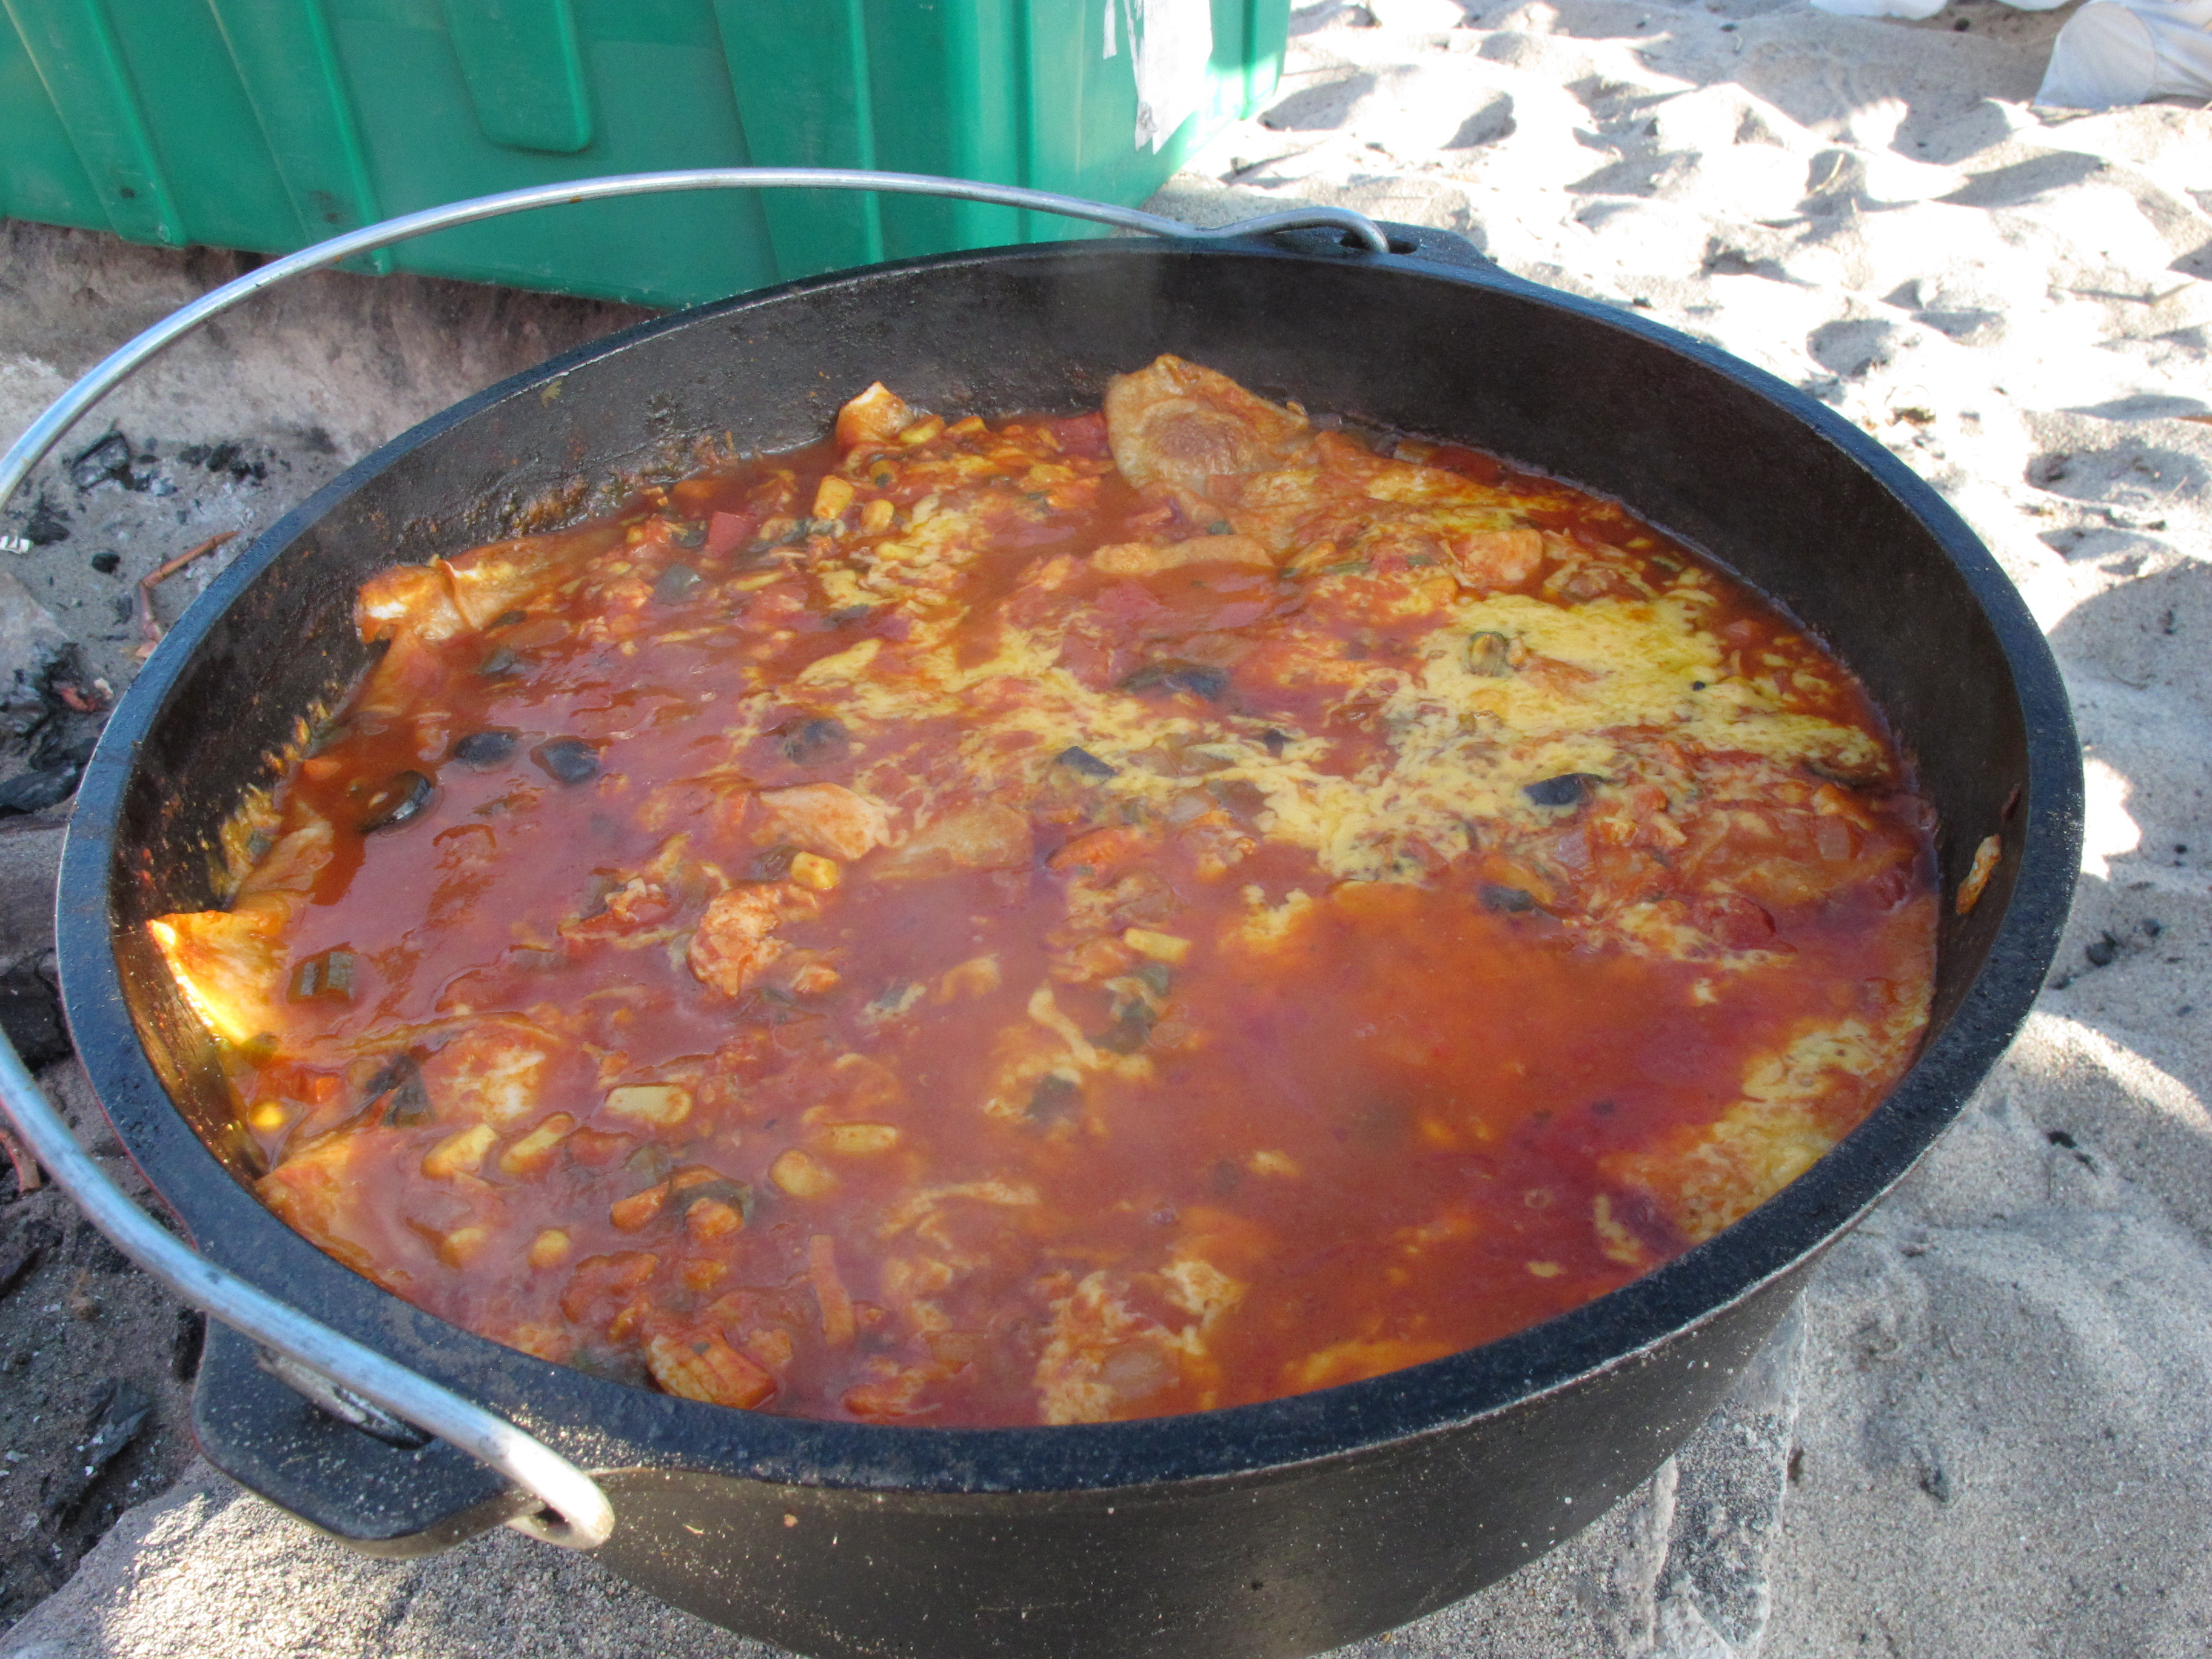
{"points": [[1283, 1528]]}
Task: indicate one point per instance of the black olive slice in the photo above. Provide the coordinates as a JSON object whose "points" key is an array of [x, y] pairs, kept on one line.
{"points": [[648, 1166], [1490, 654], [398, 1093], [1509, 900], [567, 760], [1568, 789], [484, 750], [773, 863], [1197, 678], [1082, 761], [689, 1187], [678, 583], [401, 800], [820, 741], [1053, 1097]]}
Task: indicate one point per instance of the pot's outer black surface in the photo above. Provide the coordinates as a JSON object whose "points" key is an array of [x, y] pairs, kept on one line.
{"points": [[1273, 1529]]}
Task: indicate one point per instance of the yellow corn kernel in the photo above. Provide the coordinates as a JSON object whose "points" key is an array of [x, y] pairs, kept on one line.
{"points": [[459, 1153], [459, 1247], [268, 1117], [859, 1140], [549, 1248], [709, 1218], [812, 870], [630, 1213], [967, 427], [701, 1275], [1160, 947], [800, 1176], [831, 497], [876, 517], [975, 977], [664, 1104], [922, 430], [535, 1150]]}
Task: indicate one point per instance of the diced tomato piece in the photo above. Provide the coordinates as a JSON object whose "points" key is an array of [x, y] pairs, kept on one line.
{"points": [[728, 531], [1081, 434]]}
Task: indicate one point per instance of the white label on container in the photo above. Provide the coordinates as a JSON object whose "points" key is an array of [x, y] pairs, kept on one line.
{"points": [[1172, 43]]}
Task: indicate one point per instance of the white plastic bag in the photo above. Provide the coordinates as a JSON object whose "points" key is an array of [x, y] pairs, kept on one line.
{"points": [[2121, 51], [1915, 9]]}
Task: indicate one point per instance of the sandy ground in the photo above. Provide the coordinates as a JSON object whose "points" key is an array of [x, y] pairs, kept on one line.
{"points": [[1994, 1432]]}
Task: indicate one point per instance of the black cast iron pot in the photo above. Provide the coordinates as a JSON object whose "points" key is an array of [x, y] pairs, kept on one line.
{"points": [[1283, 1528]]}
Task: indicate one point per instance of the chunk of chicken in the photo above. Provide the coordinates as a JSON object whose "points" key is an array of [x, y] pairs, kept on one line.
{"points": [[451, 596], [826, 818], [494, 1072], [736, 941], [1103, 1356], [983, 836], [1177, 428], [877, 415], [1143, 559], [230, 963]]}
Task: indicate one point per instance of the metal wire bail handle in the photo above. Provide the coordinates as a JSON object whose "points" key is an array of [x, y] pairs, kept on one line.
{"points": [[343, 1376]]}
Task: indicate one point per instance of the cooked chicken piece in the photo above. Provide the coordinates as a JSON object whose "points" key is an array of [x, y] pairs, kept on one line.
{"points": [[826, 818], [1177, 428], [490, 581], [1143, 559], [736, 941], [985, 835], [452, 596], [1103, 1357], [230, 963], [414, 598], [702, 1366], [495, 1072], [877, 415]]}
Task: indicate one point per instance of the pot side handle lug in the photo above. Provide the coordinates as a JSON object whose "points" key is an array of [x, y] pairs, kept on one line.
{"points": [[1442, 247], [364, 1489]]}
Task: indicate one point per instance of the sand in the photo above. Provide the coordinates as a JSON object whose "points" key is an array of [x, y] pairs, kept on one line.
{"points": [[1992, 1433]]}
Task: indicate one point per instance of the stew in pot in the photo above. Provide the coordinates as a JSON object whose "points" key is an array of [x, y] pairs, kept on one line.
{"points": [[1063, 919]]}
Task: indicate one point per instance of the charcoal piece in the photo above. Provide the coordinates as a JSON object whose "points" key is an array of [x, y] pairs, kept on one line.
{"points": [[109, 458], [35, 792], [31, 1014]]}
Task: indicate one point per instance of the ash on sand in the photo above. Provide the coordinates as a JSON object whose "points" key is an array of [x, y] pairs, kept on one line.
{"points": [[1995, 1434]]}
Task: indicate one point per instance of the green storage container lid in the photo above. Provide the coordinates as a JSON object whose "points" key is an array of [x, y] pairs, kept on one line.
{"points": [[271, 124]]}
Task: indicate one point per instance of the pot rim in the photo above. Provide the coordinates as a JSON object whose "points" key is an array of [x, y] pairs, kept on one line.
{"points": [[613, 1426]]}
